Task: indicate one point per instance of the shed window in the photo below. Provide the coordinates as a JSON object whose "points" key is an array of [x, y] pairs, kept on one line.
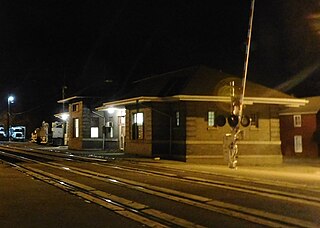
{"points": [[137, 126], [297, 120], [298, 144]]}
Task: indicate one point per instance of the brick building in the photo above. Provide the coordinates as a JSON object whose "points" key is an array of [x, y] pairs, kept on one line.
{"points": [[300, 130], [174, 116]]}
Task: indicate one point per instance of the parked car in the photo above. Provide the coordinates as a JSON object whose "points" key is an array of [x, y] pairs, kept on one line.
{"points": [[17, 133], [2, 133]]}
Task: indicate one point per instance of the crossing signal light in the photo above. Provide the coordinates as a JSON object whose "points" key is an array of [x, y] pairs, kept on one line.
{"points": [[233, 120], [245, 121], [220, 121]]}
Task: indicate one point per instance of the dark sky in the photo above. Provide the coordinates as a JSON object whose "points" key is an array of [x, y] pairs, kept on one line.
{"points": [[47, 44]]}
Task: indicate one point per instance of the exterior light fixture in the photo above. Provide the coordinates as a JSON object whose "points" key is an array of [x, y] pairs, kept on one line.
{"points": [[64, 116], [111, 110]]}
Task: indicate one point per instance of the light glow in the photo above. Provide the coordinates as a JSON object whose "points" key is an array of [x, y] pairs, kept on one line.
{"points": [[111, 110], [10, 99], [64, 116]]}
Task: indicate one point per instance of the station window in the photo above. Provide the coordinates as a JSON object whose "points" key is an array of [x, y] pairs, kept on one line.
{"points": [[75, 107], [137, 126], [94, 127], [76, 129], [211, 119], [94, 132], [177, 119]]}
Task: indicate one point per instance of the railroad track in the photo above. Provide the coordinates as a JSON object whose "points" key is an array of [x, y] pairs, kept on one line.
{"points": [[144, 214]]}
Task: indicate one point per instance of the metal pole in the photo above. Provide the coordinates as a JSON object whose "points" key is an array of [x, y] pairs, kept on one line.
{"points": [[245, 70], [8, 120], [235, 102]]}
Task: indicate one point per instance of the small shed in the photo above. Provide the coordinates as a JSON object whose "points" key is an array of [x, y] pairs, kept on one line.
{"points": [[300, 130]]}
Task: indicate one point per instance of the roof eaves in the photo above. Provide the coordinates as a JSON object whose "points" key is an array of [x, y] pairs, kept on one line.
{"points": [[288, 102], [70, 99]]}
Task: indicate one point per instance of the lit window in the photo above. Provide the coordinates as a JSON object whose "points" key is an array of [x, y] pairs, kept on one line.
{"points": [[75, 107], [76, 128], [94, 127], [298, 144], [297, 120], [210, 119], [137, 126], [177, 119], [94, 132]]}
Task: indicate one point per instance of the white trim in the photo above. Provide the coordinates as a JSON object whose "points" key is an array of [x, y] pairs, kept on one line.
{"points": [[260, 142], [296, 113], [288, 102], [71, 98]]}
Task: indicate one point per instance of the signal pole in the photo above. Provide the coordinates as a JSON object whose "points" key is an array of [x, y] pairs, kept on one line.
{"points": [[237, 102], [246, 62]]}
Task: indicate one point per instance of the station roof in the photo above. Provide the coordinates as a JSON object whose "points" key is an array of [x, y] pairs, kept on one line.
{"points": [[200, 83]]}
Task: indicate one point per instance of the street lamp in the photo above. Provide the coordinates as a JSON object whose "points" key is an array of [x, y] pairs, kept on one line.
{"points": [[10, 101]]}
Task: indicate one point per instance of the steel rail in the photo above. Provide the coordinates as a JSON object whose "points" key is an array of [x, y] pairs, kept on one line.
{"points": [[132, 210], [274, 194], [277, 194]]}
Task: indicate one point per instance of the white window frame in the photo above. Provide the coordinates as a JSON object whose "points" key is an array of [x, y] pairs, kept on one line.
{"points": [[298, 144], [297, 120]]}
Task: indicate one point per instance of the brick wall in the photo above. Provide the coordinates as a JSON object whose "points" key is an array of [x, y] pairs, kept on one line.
{"points": [[258, 145]]}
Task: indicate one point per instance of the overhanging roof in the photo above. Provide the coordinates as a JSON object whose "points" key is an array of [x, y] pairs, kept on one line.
{"points": [[288, 102], [312, 107], [70, 99]]}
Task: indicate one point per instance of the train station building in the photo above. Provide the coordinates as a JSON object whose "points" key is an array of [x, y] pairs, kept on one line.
{"points": [[177, 115]]}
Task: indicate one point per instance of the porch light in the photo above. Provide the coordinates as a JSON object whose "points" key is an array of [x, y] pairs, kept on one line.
{"points": [[111, 110], [64, 116]]}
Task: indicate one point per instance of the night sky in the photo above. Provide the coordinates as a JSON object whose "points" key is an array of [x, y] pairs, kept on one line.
{"points": [[84, 45]]}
